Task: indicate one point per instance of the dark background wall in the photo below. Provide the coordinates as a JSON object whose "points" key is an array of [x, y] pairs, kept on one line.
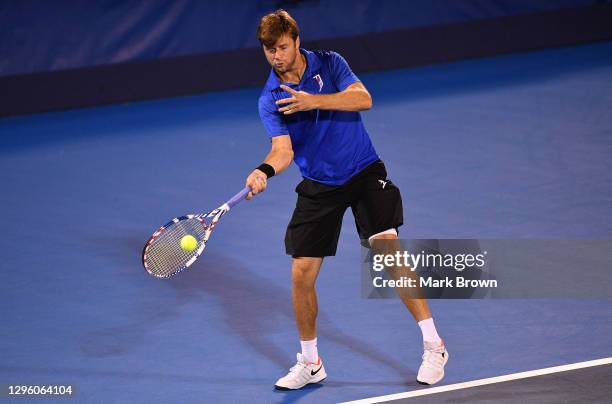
{"points": [[41, 35], [70, 53]]}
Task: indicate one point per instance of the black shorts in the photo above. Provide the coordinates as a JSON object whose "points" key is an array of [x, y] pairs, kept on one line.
{"points": [[314, 228]]}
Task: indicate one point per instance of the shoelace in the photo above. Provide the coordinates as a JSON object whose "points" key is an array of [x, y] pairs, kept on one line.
{"points": [[433, 359], [296, 370]]}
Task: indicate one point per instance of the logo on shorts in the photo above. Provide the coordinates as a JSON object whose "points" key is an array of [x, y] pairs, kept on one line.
{"points": [[319, 81], [383, 183]]}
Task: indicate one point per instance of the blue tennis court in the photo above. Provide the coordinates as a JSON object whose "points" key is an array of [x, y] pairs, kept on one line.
{"points": [[514, 146]]}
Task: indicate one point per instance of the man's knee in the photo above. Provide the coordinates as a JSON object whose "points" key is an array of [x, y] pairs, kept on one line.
{"points": [[304, 270]]}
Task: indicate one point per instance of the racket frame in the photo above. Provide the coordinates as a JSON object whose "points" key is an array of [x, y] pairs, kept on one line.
{"points": [[208, 228]]}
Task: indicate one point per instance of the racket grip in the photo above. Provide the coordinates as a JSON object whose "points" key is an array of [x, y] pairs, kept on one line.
{"points": [[238, 197]]}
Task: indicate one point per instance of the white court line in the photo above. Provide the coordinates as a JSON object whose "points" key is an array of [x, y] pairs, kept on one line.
{"points": [[482, 382]]}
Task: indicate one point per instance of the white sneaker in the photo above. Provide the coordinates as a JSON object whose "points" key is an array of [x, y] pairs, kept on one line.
{"points": [[301, 374], [435, 357]]}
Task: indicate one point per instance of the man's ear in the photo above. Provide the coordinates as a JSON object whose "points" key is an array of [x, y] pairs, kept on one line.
{"points": [[297, 42]]}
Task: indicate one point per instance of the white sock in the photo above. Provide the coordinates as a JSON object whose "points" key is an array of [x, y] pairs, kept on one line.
{"points": [[309, 350], [429, 331]]}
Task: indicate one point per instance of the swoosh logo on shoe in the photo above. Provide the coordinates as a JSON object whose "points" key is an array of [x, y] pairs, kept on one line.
{"points": [[312, 372]]}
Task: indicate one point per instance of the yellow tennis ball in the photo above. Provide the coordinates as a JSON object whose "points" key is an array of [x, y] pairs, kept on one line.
{"points": [[189, 243]]}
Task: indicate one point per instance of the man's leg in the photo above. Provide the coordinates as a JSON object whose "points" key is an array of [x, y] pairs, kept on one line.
{"points": [[417, 307], [435, 355], [312, 234], [304, 272], [309, 367]]}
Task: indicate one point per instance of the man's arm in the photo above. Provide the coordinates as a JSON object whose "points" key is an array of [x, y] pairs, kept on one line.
{"points": [[354, 98], [279, 157]]}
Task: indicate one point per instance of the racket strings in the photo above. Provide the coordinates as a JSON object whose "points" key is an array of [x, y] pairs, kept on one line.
{"points": [[165, 256]]}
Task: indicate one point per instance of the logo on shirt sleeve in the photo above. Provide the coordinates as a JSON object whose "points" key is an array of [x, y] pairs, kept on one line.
{"points": [[319, 81]]}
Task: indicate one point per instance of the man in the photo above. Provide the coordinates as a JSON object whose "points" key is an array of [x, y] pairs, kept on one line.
{"points": [[310, 107]]}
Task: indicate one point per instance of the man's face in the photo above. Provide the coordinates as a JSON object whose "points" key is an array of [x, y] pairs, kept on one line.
{"points": [[283, 54]]}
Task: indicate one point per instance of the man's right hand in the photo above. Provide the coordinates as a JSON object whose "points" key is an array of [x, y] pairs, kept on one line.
{"points": [[257, 181]]}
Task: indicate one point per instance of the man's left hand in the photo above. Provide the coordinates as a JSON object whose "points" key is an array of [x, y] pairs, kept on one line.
{"points": [[299, 101]]}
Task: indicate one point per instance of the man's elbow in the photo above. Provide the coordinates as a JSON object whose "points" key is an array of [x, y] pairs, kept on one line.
{"points": [[366, 103], [369, 102], [289, 156]]}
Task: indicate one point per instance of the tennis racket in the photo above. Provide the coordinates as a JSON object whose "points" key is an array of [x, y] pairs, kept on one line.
{"points": [[162, 255]]}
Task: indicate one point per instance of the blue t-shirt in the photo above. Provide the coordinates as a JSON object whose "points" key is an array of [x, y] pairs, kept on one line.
{"points": [[329, 146]]}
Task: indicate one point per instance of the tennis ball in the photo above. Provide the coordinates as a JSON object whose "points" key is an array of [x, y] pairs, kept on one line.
{"points": [[189, 243]]}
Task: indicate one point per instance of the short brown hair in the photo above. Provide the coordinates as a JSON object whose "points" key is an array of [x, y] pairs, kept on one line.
{"points": [[274, 25]]}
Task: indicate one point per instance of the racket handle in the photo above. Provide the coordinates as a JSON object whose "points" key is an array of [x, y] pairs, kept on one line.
{"points": [[238, 197]]}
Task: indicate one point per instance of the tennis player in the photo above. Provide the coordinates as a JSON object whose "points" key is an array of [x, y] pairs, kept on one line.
{"points": [[310, 108]]}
